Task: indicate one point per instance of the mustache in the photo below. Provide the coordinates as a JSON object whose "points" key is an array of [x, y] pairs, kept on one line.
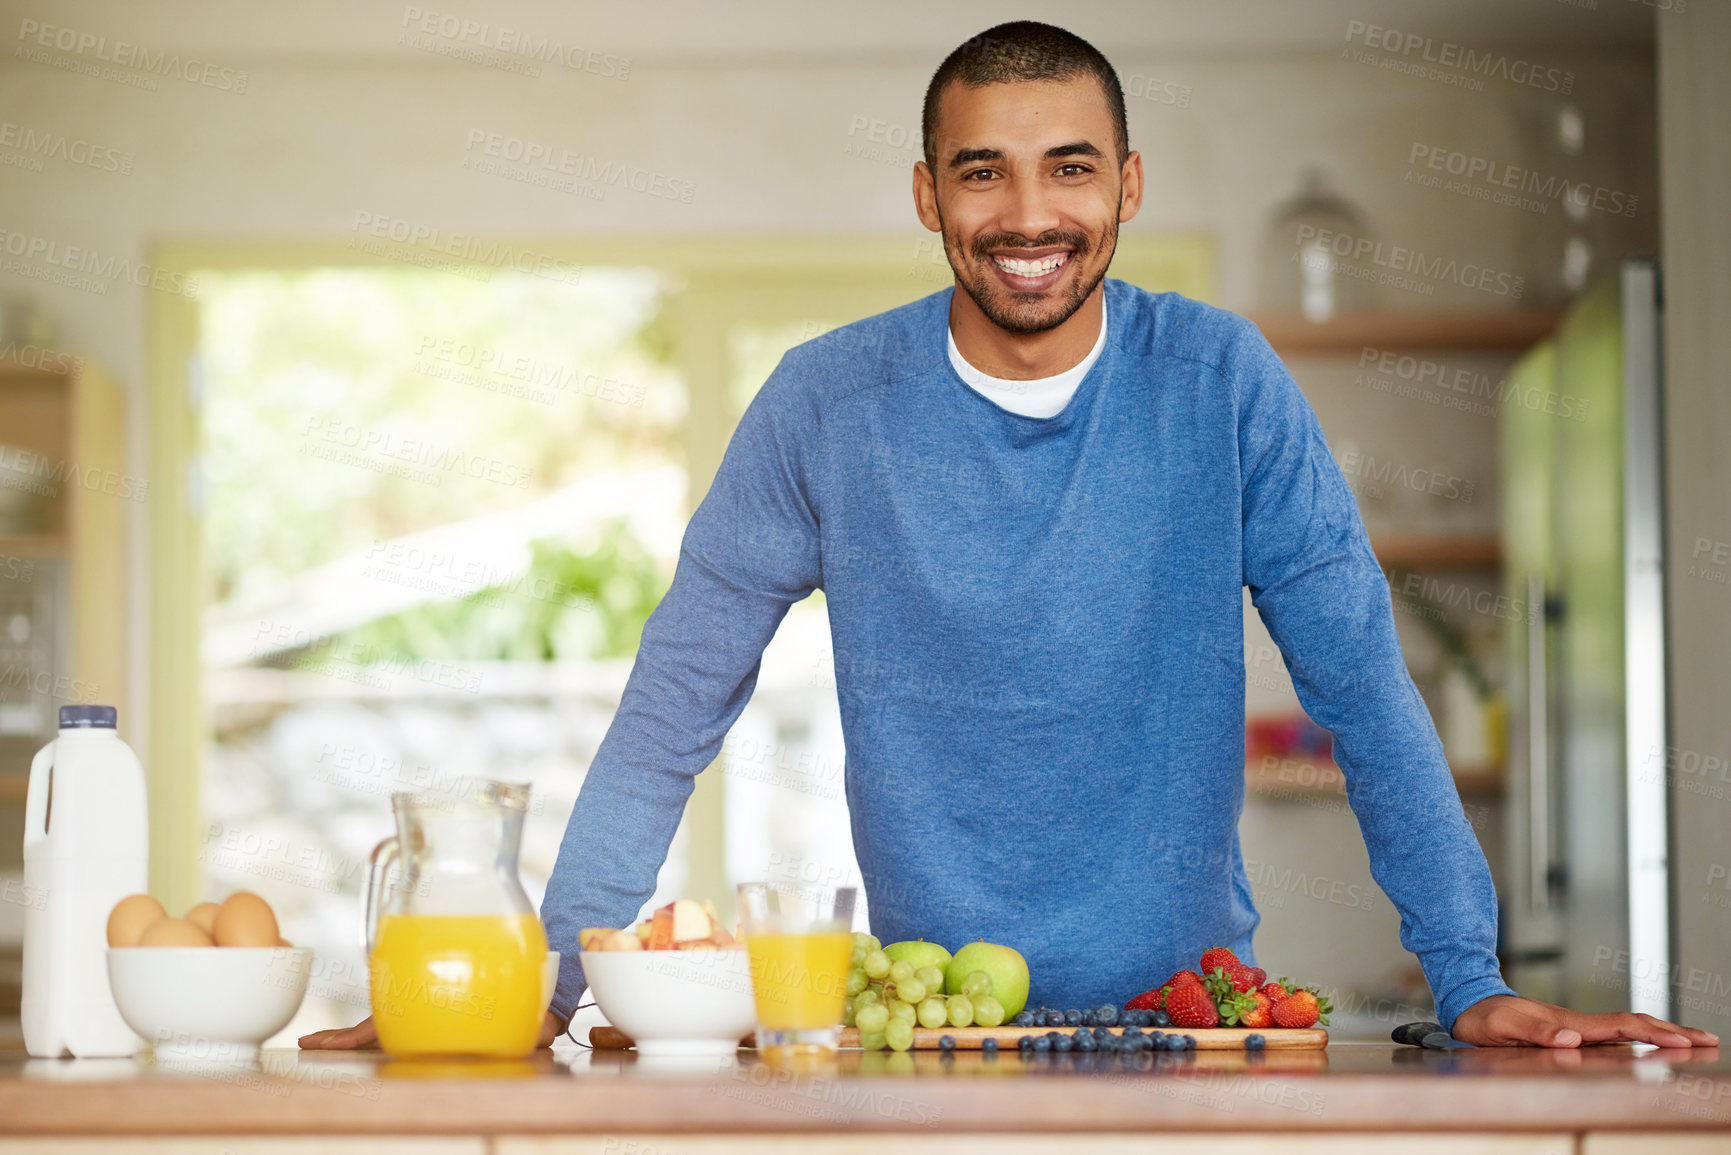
{"points": [[986, 244]]}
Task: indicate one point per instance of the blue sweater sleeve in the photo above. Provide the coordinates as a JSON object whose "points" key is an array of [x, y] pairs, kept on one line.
{"points": [[1318, 587], [749, 552]]}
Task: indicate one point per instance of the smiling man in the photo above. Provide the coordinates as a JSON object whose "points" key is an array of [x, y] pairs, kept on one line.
{"points": [[1033, 503]]}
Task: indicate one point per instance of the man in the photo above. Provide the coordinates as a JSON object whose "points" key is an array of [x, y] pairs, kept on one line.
{"points": [[1032, 505]]}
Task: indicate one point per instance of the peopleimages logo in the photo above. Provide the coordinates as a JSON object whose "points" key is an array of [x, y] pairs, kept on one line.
{"points": [[1448, 55], [1397, 265], [34, 37]]}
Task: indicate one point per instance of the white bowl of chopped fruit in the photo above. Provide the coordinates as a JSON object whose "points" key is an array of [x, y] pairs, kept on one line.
{"points": [[677, 982]]}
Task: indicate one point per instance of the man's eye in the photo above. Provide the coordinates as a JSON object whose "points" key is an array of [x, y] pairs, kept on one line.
{"points": [[979, 174], [1073, 170]]}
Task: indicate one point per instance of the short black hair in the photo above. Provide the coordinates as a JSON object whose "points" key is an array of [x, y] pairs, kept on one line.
{"points": [[1019, 52]]}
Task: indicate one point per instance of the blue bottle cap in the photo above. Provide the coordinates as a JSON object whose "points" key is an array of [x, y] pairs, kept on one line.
{"points": [[88, 717]]}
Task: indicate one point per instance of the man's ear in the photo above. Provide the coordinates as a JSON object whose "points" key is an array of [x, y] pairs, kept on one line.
{"points": [[926, 198], [1130, 195]]}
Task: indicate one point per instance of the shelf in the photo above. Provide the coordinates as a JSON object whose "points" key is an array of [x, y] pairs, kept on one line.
{"points": [[1310, 778], [35, 545], [1352, 332], [1481, 553]]}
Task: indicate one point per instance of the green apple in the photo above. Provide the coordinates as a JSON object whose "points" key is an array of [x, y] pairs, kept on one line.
{"points": [[1009, 971], [919, 953]]}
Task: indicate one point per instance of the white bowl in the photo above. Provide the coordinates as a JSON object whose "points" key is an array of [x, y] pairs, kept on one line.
{"points": [[675, 1002], [208, 1002], [549, 980]]}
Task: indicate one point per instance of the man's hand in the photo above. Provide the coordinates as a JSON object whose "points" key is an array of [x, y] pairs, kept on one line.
{"points": [[1511, 1021], [363, 1036]]}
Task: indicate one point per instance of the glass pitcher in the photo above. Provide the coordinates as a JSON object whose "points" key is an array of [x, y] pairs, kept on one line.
{"points": [[455, 950]]}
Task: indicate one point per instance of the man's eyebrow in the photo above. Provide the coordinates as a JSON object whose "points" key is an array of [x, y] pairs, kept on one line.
{"points": [[971, 155], [1079, 148]]}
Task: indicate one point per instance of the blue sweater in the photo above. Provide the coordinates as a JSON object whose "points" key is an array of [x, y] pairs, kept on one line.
{"points": [[1038, 637]]}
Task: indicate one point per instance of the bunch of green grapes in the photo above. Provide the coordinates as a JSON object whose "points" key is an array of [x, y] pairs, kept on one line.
{"points": [[887, 1000]]}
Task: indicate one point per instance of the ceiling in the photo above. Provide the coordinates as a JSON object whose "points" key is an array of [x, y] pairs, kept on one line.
{"points": [[878, 31]]}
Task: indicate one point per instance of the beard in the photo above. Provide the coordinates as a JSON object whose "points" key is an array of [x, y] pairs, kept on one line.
{"points": [[1018, 312]]}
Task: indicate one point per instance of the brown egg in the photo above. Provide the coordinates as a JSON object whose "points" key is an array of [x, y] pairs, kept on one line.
{"points": [[130, 917], [245, 919], [175, 932], [204, 914]]}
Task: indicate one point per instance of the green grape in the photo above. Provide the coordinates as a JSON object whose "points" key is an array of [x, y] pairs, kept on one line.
{"points": [[857, 982], [901, 972], [847, 1014], [872, 942], [857, 956], [988, 1011], [876, 964], [976, 984], [911, 991], [899, 1035], [864, 942], [932, 977], [871, 1018], [873, 1041], [868, 996], [961, 1010], [899, 1063], [906, 1012], [933, 1013]]}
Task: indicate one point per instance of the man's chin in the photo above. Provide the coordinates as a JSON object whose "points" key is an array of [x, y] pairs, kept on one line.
{"points": [[1037, 316]]}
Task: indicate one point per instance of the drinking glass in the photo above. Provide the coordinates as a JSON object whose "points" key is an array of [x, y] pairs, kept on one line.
{"points": [[799, 939]]}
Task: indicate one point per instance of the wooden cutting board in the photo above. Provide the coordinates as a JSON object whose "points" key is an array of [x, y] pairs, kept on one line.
{"points": [[970, 1038]]}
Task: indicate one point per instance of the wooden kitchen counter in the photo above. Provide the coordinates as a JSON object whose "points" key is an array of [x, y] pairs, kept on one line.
{"points": [[1351, 1097]]}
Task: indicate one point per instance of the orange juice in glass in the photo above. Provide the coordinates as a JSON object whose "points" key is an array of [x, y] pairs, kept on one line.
{"points": [[799, 939]]}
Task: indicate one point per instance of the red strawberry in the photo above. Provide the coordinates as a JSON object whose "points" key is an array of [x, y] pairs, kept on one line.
{"points": [[1298, 1009], [1274, 991], [1258, 976], [1182, 977], [1260, 1013], [1217, 956], [1190, 1005], [1151, 1000]]}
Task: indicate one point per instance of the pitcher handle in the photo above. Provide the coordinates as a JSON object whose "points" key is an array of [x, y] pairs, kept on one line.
{"points": [[378, 868], [36, 795]]}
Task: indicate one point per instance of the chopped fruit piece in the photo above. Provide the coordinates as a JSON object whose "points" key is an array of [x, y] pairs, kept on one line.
{"points": [[590, 936], [661, 929], [1217, 956], [1190, 1005], [643, 931], [690, 922]]}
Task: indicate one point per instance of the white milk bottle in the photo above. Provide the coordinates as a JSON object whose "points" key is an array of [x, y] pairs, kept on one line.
{"points": [[85, 849]]}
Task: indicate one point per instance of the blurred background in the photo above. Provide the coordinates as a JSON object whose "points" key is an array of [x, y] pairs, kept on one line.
{"points": [[360, 365]]}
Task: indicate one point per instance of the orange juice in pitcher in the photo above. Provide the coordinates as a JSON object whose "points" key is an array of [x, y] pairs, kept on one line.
{"points": [[455, 951]]}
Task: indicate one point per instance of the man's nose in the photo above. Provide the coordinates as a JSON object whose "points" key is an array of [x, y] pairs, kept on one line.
{"points": [[1029, 211]]}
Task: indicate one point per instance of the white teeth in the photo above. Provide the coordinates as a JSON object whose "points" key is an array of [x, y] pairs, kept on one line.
{"points": [[1037, 268]]}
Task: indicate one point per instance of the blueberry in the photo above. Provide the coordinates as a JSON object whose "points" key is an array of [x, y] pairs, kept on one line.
{"points": [[1088, 1019], [1189, 1042], [1042, 1043], [1160, 1019], [1159, 1038], [1174, 1042], [1063, 1043], [1254, 1042], [947, 1043], [1132, 1030], [1022, 1019], [1084, 1042], [1107, 1016], [1052, 1018], [988, 1046], [1072, 1018], [1102, 1032], [1025, 1043], [1140, 1018]]}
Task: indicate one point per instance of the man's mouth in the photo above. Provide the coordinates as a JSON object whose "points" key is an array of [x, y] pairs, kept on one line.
{"points": [[1031, 274]]}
